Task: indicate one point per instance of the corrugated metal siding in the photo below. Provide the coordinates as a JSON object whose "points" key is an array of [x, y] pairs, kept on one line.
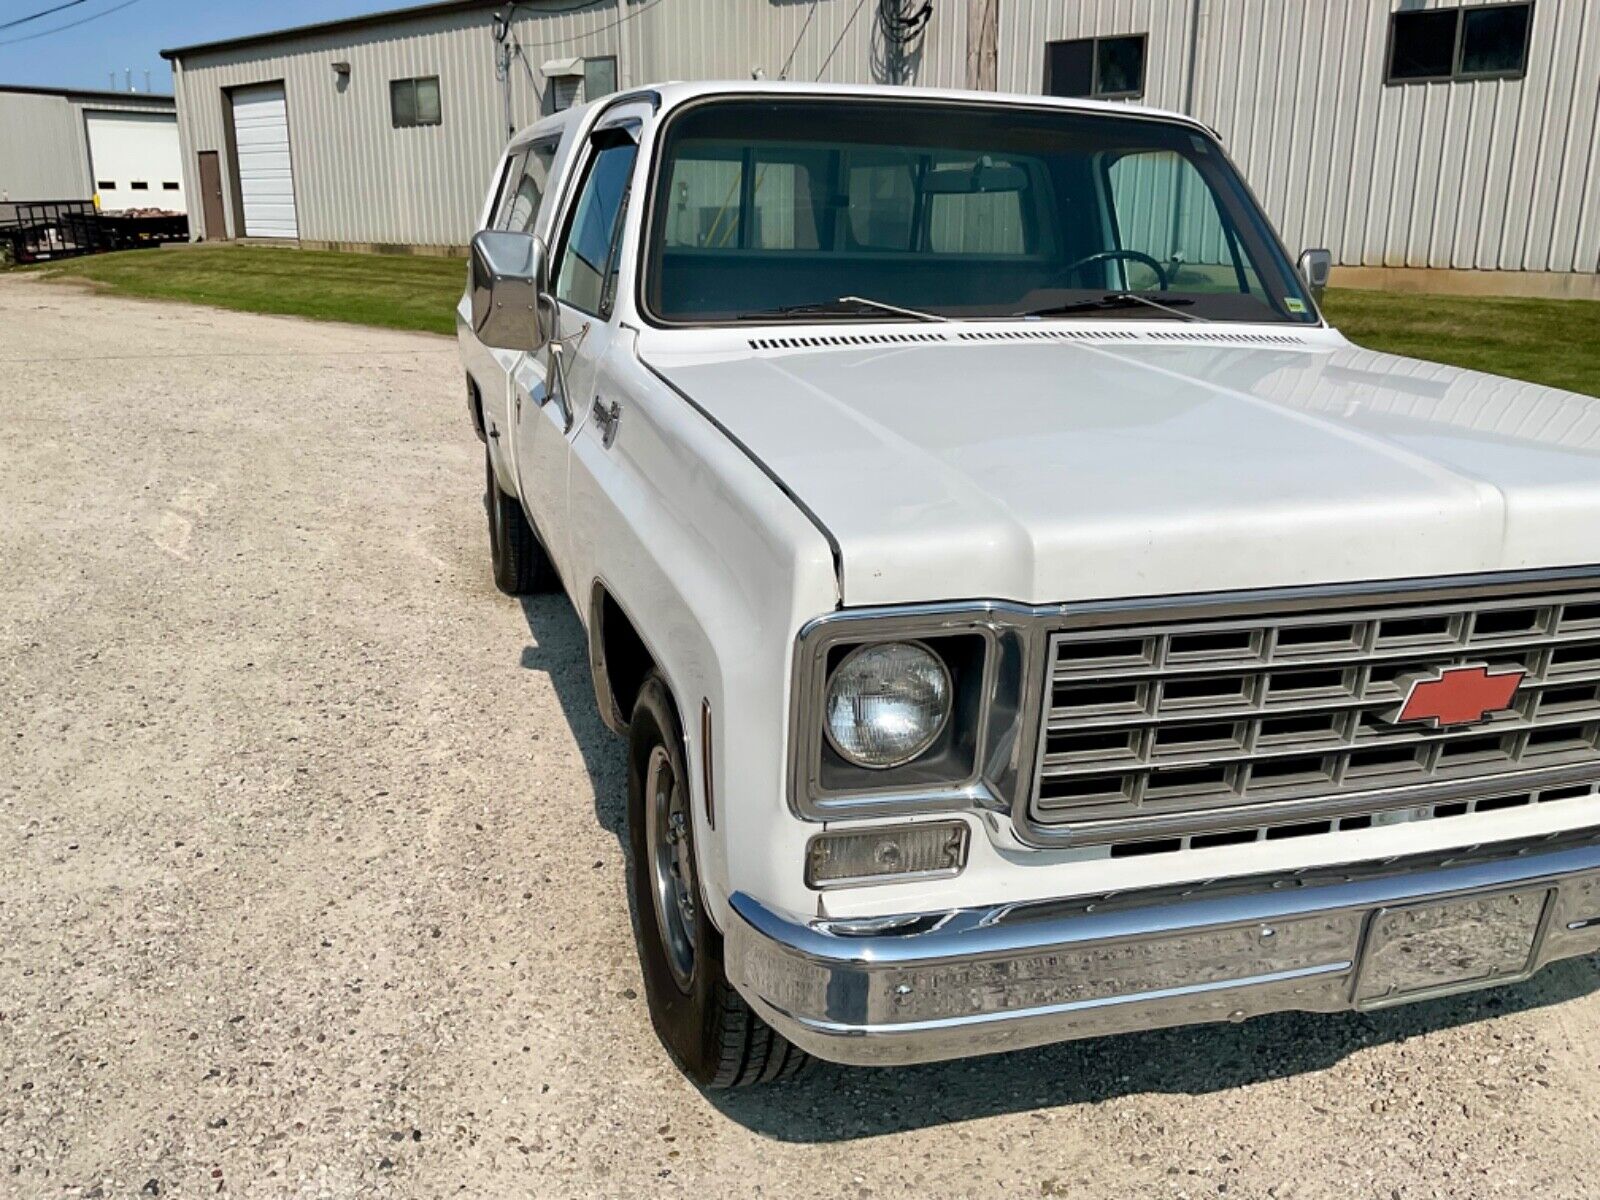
{"points": [[358, 180], [44, 146], [837, 41], [1026, 25], [1422, 175], [41, 149], [1501, 174], [1492, 174]]}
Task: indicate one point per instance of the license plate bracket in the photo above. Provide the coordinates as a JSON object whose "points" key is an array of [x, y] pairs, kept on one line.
{"points": [[1416, 951]]}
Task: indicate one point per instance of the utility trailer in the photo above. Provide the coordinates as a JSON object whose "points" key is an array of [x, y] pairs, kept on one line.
{"points": [[44, 230]]}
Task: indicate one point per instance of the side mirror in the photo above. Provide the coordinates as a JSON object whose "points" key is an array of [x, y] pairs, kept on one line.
{"points": [[1315, 267], [507, 276]]}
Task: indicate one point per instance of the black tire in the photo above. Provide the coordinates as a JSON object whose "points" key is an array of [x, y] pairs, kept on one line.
{"points": [[715, 1038], [521, 566]]}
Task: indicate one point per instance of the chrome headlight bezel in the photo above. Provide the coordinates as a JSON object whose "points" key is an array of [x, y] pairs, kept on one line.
{"points": [[973, 765]]}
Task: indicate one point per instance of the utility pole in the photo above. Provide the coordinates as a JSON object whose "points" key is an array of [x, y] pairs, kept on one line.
{"points": [[983, 45]]}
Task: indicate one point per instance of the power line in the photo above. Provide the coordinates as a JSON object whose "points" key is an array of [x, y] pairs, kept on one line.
{"points": [[43, 12], [623, 20], [783, 71], [105, 12], [840, 42]]}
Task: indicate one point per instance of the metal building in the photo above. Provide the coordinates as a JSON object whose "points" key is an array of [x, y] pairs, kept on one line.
{"points": [[64, 144], [1456, 137]]}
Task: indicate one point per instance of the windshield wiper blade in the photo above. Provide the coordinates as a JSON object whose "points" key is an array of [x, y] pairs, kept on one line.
{"points": [[844, 304], [1166, 308], [1114, 300]]}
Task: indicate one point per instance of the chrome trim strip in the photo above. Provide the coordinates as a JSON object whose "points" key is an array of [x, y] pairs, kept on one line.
{"points": [[1263, 813], [996, 978], [951, 1024], [884, 793]]}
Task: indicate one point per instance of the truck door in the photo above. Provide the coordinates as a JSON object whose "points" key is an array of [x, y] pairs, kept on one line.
{"points": [[552, 392]]}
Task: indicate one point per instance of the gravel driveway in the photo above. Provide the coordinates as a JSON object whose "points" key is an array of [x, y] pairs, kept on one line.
{"points": [[311, 881]]}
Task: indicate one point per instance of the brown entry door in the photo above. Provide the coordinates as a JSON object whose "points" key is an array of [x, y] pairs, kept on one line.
{"points": [[216, 221]]}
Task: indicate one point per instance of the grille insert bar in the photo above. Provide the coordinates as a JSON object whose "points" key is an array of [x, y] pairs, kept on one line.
{"points": [[1165, 719], [1298, 829]]}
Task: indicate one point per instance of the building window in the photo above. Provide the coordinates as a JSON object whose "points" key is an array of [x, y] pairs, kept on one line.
{"points": [[1103, 68], [599, 77], [139, 185], [414, 102], [1483, 42], [106, 185], [169, 186]]}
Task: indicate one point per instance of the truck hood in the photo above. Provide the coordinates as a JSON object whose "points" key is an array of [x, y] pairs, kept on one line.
{"points": [[1043, 466]]}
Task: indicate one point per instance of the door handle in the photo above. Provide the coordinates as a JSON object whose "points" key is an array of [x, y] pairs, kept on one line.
{"points": [[606, 418]]}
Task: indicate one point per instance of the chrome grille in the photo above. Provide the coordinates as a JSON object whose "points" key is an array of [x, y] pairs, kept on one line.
{"points": [[1197, 718]]}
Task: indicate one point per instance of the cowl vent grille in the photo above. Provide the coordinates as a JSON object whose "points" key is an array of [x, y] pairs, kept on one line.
{"points": [[1192, 337], [819, 341], [1054, 333]]}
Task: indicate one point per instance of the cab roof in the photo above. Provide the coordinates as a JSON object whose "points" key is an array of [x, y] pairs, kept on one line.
{"points": [[667, 96]]}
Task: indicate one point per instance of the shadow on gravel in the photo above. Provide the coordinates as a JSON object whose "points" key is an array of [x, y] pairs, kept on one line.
{"points": [[561, 651], [832, 1104]]}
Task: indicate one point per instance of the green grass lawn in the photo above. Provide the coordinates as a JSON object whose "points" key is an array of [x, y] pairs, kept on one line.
{"points": [[1547, 341], [1556, 342], [395, 291]]}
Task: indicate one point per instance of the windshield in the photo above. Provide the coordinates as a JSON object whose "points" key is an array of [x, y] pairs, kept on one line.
{"points": [[828, 208]]}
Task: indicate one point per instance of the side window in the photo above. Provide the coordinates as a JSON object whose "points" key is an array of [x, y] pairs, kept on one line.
{"points": [[522, 208], [504, 189], [587, 269]]}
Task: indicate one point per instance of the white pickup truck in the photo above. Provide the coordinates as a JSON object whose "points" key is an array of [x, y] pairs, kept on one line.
{"points": [[1029, 618]]}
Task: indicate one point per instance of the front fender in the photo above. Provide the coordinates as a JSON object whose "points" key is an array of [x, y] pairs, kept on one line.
{"points": [[717, 569]]}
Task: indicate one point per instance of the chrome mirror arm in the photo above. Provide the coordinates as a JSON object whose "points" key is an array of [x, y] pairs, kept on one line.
{"points": [[556, 382]]}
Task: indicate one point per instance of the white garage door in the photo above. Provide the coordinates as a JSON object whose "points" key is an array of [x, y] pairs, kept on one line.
{"points": [[136, 161], [266, 179]]}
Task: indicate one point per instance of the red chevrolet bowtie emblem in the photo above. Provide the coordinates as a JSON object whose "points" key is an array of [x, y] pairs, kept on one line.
{"points": [[1458, 695]]}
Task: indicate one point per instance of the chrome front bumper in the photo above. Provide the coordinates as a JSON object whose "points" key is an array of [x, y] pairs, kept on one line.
{"points": [[975, 981]]}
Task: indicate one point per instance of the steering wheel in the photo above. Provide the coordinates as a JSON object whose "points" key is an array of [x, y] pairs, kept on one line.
{"points": [[1113, 255]]}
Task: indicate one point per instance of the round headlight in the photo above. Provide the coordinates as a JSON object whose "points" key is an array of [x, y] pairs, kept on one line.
{"points": [[887, 704]]}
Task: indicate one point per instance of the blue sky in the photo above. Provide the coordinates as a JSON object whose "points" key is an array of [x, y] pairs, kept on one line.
{"points": [[134, 34]]}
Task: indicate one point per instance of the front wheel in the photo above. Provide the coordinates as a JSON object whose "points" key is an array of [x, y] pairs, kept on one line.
{"points": [[520, 564], [713, 1035]]}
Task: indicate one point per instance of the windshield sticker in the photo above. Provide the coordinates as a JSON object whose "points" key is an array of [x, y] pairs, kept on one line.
{"points": [[1293, 305]]}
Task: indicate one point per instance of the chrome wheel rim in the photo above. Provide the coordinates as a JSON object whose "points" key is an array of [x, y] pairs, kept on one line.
{"points": [[671, 864], [495, 515]]}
